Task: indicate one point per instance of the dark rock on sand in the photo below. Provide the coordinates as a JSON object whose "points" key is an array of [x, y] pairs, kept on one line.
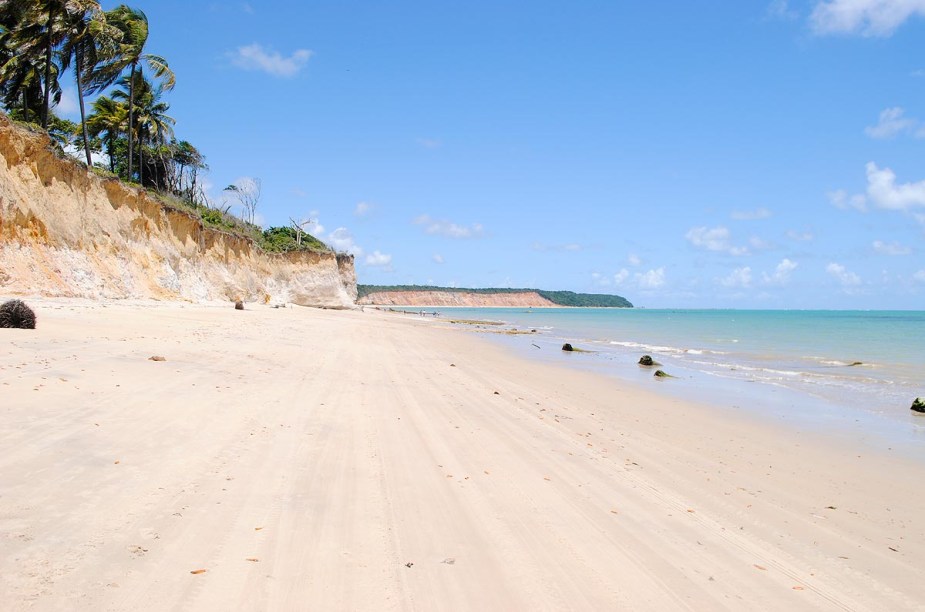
{"points": [[646, 360], [239, 305], [15, 314], [567, 347], [662, 374], [918, 405]]}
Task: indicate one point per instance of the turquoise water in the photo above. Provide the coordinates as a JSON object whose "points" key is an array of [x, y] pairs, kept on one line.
{"points": [[868, 365]]}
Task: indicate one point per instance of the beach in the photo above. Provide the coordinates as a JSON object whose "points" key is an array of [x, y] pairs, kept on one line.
{"points": [[296, 458]]}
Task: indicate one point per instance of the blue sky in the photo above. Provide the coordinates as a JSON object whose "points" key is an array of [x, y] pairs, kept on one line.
{"points": [[681, 154]]}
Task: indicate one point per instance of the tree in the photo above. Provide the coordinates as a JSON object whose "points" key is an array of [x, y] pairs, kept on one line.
{"points": [[29, 39], [133, 24], [151, 123], [247, 192], [89, 40], [109, 117]]}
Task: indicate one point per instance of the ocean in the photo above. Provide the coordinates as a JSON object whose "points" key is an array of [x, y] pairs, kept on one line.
{"points": [[827, 369]]}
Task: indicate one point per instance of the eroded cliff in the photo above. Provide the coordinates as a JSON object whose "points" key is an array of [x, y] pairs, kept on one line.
{"points": [[66, 232], [455, 298]]}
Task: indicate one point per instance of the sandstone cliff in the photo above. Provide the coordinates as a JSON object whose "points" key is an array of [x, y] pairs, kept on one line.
{"points": [[526, 299], [66, 232]]}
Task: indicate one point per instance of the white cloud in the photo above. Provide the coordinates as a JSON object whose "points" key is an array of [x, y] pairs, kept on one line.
{"points": [[379, 260], [342, 240], [893, 248], [760, 244], [255, 57], [740, 277], [653, 279], [846, 278], [919, 276], [362, 208], [68, 106], [799, 236], [621, 276], [781, 274], [840, 199], [600, 279], [633, 259], [448, 228], [780, 9], [891, 123], [714, 239], [539, 246], [865, 17], [751, 215], [437, 257], [885, 193]]}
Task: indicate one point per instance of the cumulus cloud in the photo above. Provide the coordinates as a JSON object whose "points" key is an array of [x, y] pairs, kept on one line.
{"points": [[740, 277], [799, 236], [714, 239], [255, 57], [885, 193], [342, 240], [842, 275], [653, 279], [539, 246], [621, 276], [893, 248], [751, 215], [760, 244], [379, 260], [362, 209], [870, 18], [68, 106], [782, 272], [840, 199], [892, 122], [780, 9], [448, 228], [633, 259], [919, 276]]}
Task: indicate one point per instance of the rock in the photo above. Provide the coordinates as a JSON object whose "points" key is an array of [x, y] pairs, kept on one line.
{"points": [[567, 347], [918, 405], [157, 358], [662, 374], [15, 314], [239, 305], [646, 360]]}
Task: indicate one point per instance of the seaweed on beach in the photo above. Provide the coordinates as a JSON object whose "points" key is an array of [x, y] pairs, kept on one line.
{"points": [[15, 314]]}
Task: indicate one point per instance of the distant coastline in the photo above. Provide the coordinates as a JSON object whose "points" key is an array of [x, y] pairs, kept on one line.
{"points": [[431, 296]]}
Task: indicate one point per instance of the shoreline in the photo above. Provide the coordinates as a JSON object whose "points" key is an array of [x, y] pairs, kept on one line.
{"points": [[336, 447]]}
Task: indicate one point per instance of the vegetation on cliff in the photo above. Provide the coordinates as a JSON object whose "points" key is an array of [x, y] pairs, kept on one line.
{"points": [[129, 124], [560, 298]]}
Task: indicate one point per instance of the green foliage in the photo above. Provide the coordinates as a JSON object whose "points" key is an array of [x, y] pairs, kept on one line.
{"points": [[560, 298], [282, 239]]}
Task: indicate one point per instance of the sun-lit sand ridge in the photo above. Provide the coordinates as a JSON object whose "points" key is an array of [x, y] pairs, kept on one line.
{"points": [[310, 459]]}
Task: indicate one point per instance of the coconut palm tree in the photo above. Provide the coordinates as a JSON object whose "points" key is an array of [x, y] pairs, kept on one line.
{"points": [[89, 40], [151, 123], [109, 117], [134, 27]]}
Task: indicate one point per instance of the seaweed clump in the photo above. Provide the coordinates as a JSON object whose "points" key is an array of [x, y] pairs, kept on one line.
{"points": [[15, 314]]}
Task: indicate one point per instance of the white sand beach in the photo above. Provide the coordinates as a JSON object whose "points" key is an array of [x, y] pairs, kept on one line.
{"points": [[295, 459]]}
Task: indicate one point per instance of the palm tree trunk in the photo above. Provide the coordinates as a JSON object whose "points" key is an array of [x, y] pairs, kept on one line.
{"points": [[78, 69], [47, 100], [110, 149], [141, 161], [131, 114]]}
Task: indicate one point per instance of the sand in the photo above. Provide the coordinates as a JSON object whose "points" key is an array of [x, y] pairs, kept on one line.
{"points": [[310, 459]]}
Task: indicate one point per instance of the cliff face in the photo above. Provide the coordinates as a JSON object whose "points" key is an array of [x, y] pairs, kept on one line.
{"points": [[66, 232], [452, 298]]}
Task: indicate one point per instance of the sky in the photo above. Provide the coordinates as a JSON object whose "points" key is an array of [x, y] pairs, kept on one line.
{"points": [[758, 154]]}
